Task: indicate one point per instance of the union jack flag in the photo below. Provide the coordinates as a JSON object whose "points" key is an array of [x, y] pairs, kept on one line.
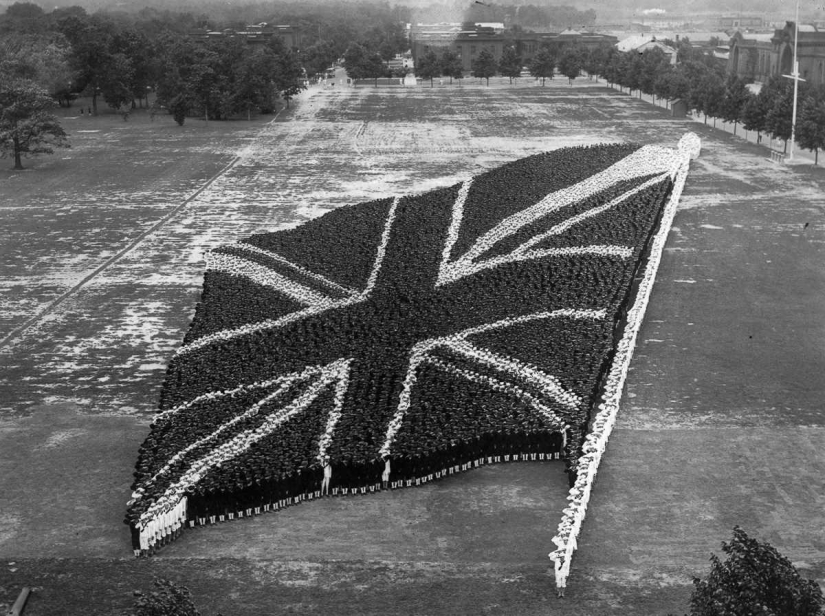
{"points": [[398, 327]]}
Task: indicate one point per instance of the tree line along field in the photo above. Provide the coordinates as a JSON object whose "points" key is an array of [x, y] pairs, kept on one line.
{"points": [[103, 264]]}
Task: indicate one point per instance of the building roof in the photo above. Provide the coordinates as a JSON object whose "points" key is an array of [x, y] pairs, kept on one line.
{"points": [[642, 44], [759, 37]]}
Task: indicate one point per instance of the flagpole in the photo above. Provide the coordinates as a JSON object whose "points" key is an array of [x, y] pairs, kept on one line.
{"points": [[795, 80]]}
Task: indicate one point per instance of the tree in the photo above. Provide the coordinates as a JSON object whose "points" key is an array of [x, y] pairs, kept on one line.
{"points": [[386, 39], [451, 65], [706, 94], [354, 61], [510, 63], [571, 62], [90, 55], [672, 84], [140, 53], [290, 78], [374, 67], [629, 71], [614, 68], [810, 129], [428, 67], [734, 99], [24, 10], [202, 82], [755, 579], [316, 58], [255, 87], [778, 119], [597, 58], [543, 64], [179, 107], [23, 17], [755, 112], [116, 81], [485, 65], [653, 64], [27, 126], [169, 599], [41, 58]]}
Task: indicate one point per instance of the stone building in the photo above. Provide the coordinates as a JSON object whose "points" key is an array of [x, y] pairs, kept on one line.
{"points": [[762, 56], [469, 40]]}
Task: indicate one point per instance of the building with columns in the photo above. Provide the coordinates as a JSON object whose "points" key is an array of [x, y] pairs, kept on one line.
{"points": [[762, 56]]}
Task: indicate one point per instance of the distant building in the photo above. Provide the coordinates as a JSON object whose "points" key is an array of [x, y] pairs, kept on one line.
{"points": [[257, 33], [740, 21], [762, 56], [678, 108], [641, 43], [468, 40], [721, 53], [400, 62]]}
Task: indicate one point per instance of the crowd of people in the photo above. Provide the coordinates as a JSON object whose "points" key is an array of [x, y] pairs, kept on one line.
{"points": [[218, 500], [487, 399]]}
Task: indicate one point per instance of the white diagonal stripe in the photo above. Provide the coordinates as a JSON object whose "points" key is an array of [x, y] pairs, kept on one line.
{"points": [[570, 222], [262, 275], [243, 330], [572, 313], [382, 248], [455, 222], [467, 269], [301, 270], [253, 410], [332, 421], [496, 384], [546, 382], [241, 442], [645, 161], [212, 395], [419, 353]]}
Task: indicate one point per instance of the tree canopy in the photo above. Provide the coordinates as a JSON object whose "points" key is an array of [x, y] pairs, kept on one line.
{"points": [[510, 63], [811, 125], [571, 62], [451, 65], [485, 66], [27, 125], [543, 64], [429, 67], [754, 579]]}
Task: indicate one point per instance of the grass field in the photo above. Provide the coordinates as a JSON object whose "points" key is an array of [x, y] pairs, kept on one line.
{"points": [[722, 421]]}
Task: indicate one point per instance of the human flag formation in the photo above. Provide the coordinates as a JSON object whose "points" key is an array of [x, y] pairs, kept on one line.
{"points": [[401, 340]]}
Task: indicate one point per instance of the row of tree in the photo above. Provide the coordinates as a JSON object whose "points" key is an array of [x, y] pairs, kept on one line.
{"points": [[121, 57], [567, 59], [696, 78], [100, 57], [222, 77], [709, 90]]}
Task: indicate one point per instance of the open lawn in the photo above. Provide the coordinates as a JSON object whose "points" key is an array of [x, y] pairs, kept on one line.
{"points": [[722, 422]]}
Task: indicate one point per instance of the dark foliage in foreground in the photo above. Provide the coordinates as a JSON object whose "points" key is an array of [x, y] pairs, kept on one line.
{"points": [[755, 580]]}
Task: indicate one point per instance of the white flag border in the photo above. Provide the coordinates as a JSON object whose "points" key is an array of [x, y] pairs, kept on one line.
{"points": [[608, 406]]}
